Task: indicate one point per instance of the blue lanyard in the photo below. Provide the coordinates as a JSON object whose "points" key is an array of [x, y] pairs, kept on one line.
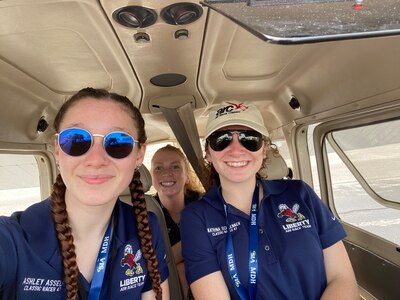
{"points": [[253, 246], [101, 263]]}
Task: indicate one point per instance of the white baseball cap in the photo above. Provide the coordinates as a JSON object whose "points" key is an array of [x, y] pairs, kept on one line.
{"points": [[235, 113]]}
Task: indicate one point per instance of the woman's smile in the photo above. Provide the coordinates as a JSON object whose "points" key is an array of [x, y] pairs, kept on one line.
{"points": [[96, 179], [167, 183], [237, 164]]}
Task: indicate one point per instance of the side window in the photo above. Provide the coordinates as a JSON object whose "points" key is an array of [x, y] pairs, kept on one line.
{"points": [[364, 168], [19, 182]]}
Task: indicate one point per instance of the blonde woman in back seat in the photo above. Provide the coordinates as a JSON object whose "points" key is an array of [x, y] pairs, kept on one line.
{"points": [[176, 186]]}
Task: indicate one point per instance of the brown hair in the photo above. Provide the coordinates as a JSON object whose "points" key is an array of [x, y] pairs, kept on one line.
{"points": [[194, 184], [59, 211]]}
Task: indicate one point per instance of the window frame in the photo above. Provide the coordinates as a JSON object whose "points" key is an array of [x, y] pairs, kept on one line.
{"points": [[45, 162], [367, 240]]}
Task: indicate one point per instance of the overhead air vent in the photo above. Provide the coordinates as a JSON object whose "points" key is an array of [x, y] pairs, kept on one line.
{"points": [[181, 13], [135, 16]]}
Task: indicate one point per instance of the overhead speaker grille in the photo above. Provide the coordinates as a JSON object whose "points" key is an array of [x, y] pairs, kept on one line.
{"points": [[181, 13], [135, 16]]}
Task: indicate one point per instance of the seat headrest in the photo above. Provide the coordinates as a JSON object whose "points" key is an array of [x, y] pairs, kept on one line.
{"points": [[145, 178], [275, 167]]}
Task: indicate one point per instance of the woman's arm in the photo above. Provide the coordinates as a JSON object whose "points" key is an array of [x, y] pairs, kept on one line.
{"points": [[210, 287], [203, 271], [8, 258], [180, 267], [150, 295], [341, 281]]}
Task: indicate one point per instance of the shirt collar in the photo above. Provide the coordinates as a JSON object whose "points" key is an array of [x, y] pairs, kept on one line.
{"points": [[38, 226], [126, 228], [270, 187]]}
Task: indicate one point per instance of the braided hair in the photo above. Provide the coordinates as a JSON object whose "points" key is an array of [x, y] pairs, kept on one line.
{"points": [[142, 223], [59, 211], [65, 238]]}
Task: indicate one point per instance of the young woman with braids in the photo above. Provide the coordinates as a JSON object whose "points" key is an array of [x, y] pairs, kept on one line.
{"points": [[251, 238], [82, 242]]}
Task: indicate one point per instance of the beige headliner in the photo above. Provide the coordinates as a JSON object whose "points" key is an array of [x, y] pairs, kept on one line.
{"points": [[50, 49]]}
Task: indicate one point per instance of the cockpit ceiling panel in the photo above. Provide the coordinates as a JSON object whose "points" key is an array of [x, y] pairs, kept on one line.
{"points": [[292, 22], [63, 46], [42, 55]]}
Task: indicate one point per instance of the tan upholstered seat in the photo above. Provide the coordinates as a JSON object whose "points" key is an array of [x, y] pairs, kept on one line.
{"points": [[153, 206], [276, 167]]}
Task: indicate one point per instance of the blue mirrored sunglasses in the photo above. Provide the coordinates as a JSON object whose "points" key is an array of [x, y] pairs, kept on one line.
{"points": [[78, 141]]}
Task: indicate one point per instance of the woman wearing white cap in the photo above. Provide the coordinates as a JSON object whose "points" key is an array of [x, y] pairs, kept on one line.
{"points": [[282, 242]]}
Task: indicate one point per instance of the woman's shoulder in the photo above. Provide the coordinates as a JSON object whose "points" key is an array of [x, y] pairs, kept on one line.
{"points": [[128, 214], [287, 182], [191, 196], [204, 206], [28, 217], [31, 230], [278, 186], [291, 190], [41, 208]]}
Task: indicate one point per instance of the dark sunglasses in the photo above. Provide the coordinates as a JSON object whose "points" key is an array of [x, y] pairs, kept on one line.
{"points": [[250, 139], [78, 141]]}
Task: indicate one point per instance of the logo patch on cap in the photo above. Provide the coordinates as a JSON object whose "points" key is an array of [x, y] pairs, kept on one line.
{"points": [[231, 113], [231, 108]]}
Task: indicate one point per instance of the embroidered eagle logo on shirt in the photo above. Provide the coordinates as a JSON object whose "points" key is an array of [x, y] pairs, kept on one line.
{"points": [[131, 260], [292, 216]]}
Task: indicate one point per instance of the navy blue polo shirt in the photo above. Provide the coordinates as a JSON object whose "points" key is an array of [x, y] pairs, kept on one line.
{"points": [[31, 263], [174, 234], [294, 228]]}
